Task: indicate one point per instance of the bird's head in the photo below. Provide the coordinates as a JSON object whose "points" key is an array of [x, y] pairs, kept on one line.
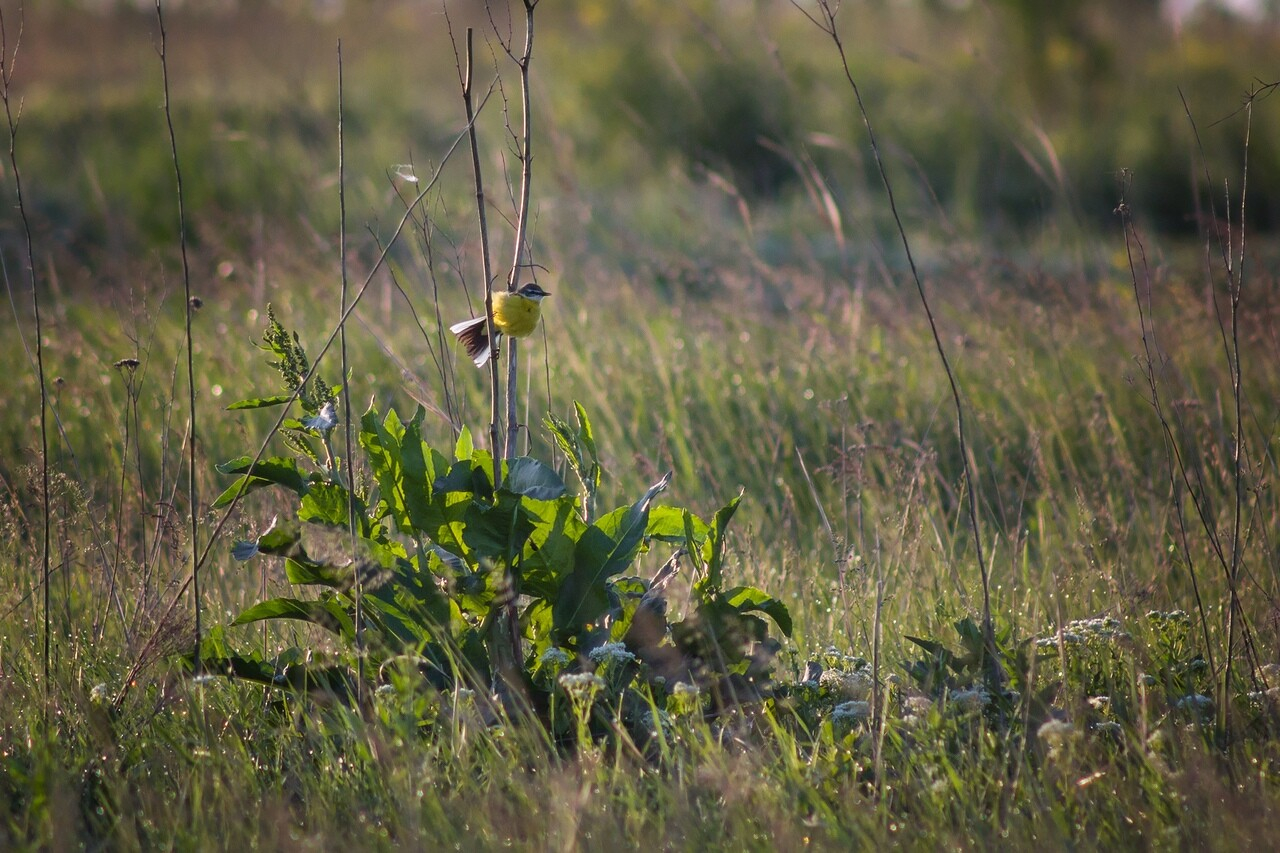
{"points": [[533, 291]]}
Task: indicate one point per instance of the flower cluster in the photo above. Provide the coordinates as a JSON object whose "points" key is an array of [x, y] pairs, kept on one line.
{"points": [[1080, 631], [1175, 617], [611, 653], [581, 686], [854, 686], [1195, 703], [970, 700], [851, 713]]}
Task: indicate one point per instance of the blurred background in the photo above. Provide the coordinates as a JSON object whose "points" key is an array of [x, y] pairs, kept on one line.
{"points": [[1005, 121]]}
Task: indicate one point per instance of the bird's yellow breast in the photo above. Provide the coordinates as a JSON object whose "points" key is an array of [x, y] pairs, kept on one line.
{"points": [[515, 315]]}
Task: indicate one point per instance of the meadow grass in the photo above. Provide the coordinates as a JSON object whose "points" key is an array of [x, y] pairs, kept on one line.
{"points": [[737, 343]]}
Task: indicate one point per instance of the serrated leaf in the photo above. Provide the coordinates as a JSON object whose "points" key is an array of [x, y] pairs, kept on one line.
{"points": [[326, 503]]}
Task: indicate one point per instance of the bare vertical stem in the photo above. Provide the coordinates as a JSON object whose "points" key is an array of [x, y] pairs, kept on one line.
{"points": [[522, 222], [188, 308], [347, 471], [495, 420], [1236, 283], [7, 62], [827, 23]]}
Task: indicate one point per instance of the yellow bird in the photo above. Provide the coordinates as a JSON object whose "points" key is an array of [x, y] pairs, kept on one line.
{"points": [[514, 314]]}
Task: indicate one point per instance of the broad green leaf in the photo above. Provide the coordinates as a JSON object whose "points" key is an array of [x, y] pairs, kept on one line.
{"points": [[382, 445], [549, 551], [278, 469], [713, 549], [309, 573], [260, 402], [606, 548], [464, 447], [497, 531], [938, 650], [328, 614], [274, 471], [281, 539], [529, 477], [242, 486], [668, 524], [748, 598], [326, 503], [421, 465]]}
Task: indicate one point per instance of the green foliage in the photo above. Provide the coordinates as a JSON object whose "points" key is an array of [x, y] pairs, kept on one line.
{"points": [[440, 553]]}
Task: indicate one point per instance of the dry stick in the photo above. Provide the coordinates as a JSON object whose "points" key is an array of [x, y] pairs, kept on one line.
{"points": [[828, 25], [192, 495], [358, 587], [1233, 360], [1173, 456], [495, 418], [6, 75], [1234, 286], [508, 616], [522, 222], [275, 428]]}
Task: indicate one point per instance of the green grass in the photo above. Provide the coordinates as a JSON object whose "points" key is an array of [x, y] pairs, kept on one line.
{"points": [[754, 353]]}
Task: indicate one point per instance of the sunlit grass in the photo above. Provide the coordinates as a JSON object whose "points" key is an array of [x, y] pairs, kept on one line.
{"points": [[738, 343]]}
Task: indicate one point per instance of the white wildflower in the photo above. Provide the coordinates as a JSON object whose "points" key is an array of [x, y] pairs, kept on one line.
{"points": [[971, 700], [581, 686], [611, 653], [100, 694], [685, 699], [324, 420], [554, 658], [852, 686], [918, 705], [1196, 702], [658, 722], [851, 712], [1056, 732], [1100, 703]]}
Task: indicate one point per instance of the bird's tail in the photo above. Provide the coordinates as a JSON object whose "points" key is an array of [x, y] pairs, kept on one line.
{"points": [[474, 335]]}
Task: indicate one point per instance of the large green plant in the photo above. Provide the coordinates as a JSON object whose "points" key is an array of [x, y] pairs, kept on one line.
{"points": [[438, 551]]}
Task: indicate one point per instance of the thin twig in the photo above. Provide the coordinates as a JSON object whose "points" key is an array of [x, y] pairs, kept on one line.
{"points": [[188, 310], [525, 153], [495, 385], [347, 408], [7, 63], [827, 24]]}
